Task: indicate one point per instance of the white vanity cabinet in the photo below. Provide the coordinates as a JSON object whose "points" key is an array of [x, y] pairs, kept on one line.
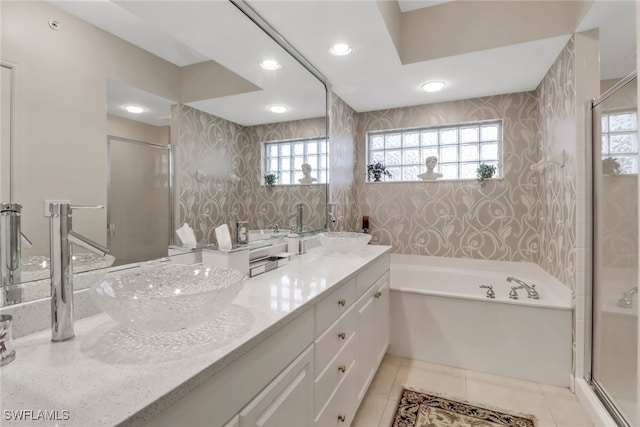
{"points": [[314, 371], [359, 338]]}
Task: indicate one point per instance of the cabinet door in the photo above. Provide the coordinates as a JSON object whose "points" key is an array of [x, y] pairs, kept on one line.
{"points": [[381, 301], [287, 400], [373, 332]]}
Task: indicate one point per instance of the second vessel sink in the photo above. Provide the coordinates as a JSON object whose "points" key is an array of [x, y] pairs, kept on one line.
{"points": [[167, 298], [343, 242], [36, 267]]}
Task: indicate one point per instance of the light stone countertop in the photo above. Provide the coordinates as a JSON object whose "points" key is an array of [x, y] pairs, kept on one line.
{"points": [[111, 375]]}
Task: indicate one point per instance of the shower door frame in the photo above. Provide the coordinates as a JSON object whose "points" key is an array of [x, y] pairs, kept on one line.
{"points": [[591, 160]]}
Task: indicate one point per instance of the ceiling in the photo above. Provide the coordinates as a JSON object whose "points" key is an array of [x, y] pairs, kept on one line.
{"points": [[477, 48]]}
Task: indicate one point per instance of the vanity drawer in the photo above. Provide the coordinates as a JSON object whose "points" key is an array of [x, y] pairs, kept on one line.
{"points": [[342, 405], [372, 273], [333, 306], [329, 379], [334, 339]]}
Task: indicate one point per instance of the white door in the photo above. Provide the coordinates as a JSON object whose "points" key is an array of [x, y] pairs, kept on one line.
{"points": [[138, 209]]}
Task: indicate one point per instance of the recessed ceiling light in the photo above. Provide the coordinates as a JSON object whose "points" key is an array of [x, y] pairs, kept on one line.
{"points": [[270, 64], [433, 86], [278, 109], [340, 49], [134, 109]]}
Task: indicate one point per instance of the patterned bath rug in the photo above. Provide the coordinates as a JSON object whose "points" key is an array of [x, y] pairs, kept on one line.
{"points": [[421, 409]]}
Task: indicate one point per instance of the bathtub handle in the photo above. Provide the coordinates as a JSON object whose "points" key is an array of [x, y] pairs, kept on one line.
{"points": [[513, 294], [490, 292]]}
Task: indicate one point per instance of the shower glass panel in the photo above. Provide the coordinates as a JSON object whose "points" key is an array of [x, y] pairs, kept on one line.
{"points": [[615, 247]]}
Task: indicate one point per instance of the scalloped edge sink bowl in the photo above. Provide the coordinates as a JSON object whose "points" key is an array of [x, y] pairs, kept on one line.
{"points": [[343, 242], [167, 298]]}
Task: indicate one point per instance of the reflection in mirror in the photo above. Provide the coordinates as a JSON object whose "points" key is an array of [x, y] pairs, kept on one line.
{"points": [[214, 116]]}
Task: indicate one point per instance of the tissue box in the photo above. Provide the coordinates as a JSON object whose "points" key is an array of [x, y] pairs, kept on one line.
{"points": [[236, 258]]}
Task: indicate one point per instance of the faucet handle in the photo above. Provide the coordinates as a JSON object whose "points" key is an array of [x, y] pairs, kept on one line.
{"points": [[512, 293], [490, 292]]}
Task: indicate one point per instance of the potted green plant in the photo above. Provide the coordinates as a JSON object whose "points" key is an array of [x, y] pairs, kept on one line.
{"points": [[610, 166], [376, 170], [485, 172], [270, 179]]}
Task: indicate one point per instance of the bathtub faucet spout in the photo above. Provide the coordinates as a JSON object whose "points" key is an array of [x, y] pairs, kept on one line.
{"points": [[531, 289]]}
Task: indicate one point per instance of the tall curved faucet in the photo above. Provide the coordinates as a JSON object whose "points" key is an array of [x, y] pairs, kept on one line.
{"points": [[531, 289]]}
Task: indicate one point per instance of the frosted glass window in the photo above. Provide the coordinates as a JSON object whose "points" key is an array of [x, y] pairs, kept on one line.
{"points": [[392, 158], [429, 137], [468, 152], [285, 159], [469, 134], [620, 139], [377, 142], [411, 157], [393, 141], [411, 139], [448, 154], [449, 136], [459, 148]]}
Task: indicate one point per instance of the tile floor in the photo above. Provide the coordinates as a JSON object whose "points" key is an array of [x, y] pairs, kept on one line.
{"points": [[552, 406]]}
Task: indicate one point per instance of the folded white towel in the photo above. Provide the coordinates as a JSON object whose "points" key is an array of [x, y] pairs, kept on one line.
{"points": [[223, 237], [187, 236]]}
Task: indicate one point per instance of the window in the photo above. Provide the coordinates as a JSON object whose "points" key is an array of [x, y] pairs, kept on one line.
{"points": [[459, 148], [620, 140], [285, 159]]}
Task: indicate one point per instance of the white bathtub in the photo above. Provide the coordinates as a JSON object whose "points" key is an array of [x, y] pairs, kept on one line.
{"points": [[439, 314]]}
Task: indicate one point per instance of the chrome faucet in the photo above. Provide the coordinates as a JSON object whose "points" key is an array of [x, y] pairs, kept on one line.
{"points": [[298, 217], [531, 289], [11, 239], [331, 219], [61, 236], [626, 301]]}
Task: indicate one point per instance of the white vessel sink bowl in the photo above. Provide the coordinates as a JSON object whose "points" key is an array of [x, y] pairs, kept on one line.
{"points": [[36, 267], [343, 242], [169, 297]]}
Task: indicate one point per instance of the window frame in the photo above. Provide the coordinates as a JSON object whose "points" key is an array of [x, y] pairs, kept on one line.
{"points": [[458, 126], [264, 159]]}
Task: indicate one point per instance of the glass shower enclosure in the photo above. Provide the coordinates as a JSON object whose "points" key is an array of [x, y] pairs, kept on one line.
{"points": [[614, 358]]}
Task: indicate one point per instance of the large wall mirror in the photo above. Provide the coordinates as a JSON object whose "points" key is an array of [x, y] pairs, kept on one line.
{"points": [[197, 151]]}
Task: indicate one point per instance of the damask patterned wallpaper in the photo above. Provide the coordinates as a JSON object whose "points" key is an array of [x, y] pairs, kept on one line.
{"points": [[557, 188], [458, 218], [230, 190], [342, 161]]}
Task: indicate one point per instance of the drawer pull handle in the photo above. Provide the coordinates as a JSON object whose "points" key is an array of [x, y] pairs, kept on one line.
{"points": [[341, 418], [342, 368], [342, 302], [342, 335], [377, 294]]}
